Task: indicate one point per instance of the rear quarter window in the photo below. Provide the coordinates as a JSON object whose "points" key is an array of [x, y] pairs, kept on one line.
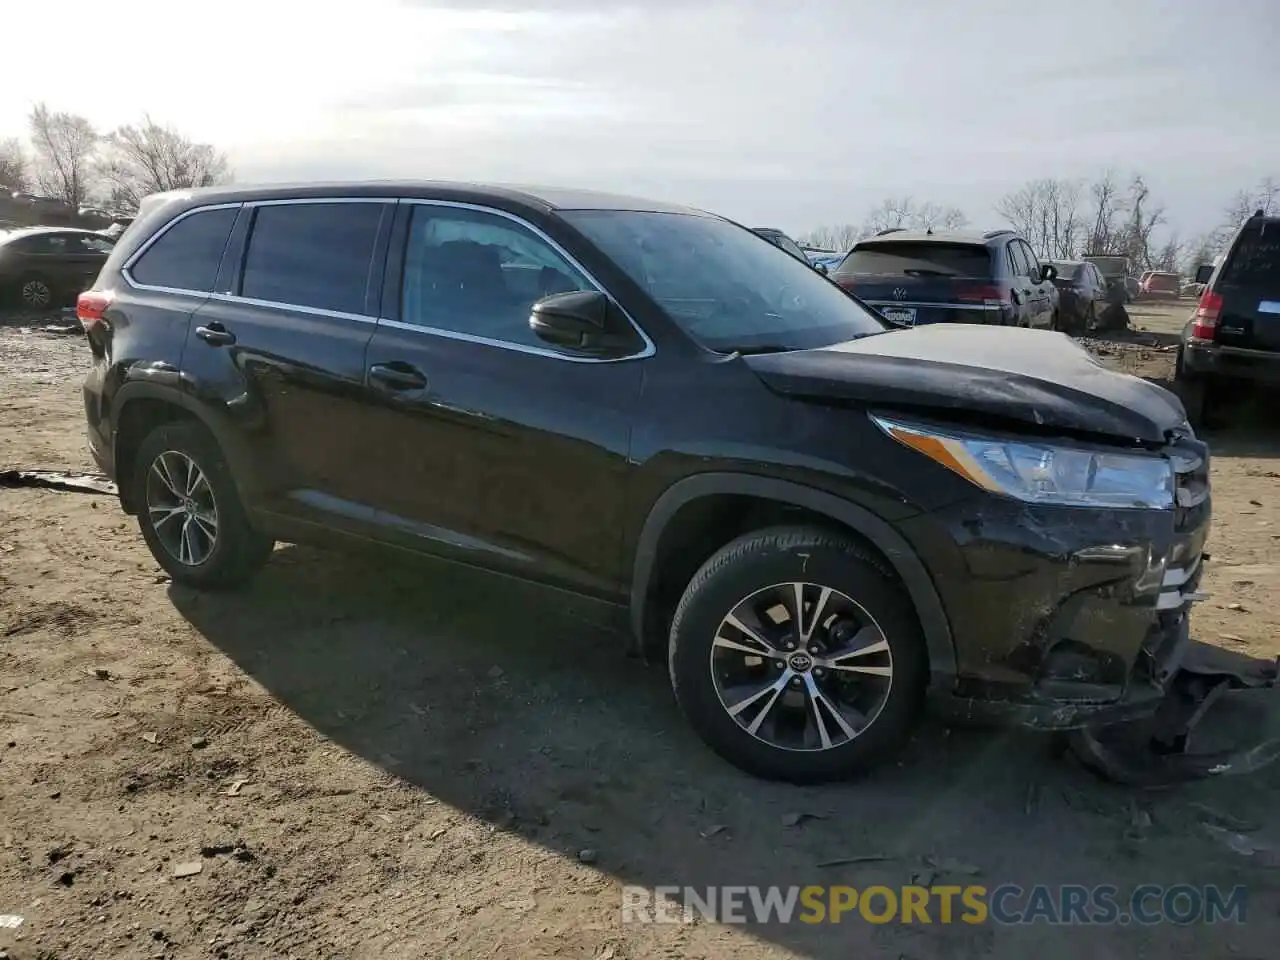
{"points": [[186, 256], [1256, 258], [918, 259]]}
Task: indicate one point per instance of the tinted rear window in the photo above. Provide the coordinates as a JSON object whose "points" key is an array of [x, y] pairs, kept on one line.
{"points": [[1256, 258], [187, 255], [918, 259], [312, 254], [1067, 271]]}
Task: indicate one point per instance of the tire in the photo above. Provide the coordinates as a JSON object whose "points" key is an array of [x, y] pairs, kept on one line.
{"points": [[867, 608], [1196, 395], [35, 292], [235, 551]]}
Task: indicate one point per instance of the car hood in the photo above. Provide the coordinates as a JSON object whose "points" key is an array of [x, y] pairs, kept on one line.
{"points": [[1034, 376]]}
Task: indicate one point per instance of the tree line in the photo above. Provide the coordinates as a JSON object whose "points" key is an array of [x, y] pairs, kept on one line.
{"points": [[65, 157], [1065, 219]]}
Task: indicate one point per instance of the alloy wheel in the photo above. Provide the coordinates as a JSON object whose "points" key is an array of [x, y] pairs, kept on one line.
{"points": [[801, 666], [181, 508], [36, 293]]}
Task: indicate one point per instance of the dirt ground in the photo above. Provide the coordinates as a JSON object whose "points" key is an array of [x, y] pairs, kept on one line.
{"points": [[374, 758]]}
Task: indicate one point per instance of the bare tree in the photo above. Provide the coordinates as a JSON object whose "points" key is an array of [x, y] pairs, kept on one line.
{"points": [[1169, 257], [13, 165], [905, 213], [1045, 212], [151, 158], [839, 238], [1105, 237], [64, 145], [1143, 217]]}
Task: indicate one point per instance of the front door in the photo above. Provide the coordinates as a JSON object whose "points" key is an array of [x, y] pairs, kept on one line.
{"points": [[489, 445]]}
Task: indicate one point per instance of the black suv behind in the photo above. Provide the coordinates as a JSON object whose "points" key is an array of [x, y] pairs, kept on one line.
{"points": [[1234, 334], [924, 277], [812, 518]]}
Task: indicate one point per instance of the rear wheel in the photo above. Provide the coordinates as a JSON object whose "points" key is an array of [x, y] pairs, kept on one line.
{"points": [[190, 515], [35, 292], [1196, 394], [797, 657]]}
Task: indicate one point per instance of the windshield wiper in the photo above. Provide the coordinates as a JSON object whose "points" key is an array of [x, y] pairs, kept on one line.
{"points": [[926, 272]]}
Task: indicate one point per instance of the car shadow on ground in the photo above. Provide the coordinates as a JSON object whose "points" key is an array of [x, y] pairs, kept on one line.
{"points": [[522, 709]]}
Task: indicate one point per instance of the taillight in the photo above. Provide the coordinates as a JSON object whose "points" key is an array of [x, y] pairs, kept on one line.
{"points": [[1205, 319], [91, 307], [985, 293]]}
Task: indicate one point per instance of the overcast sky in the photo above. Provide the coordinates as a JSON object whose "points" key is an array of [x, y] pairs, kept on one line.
{"points": [[790, 114]]}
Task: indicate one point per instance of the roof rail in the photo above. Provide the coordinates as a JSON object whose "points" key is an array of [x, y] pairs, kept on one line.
{"points": [[881, 233], [995, 233]]}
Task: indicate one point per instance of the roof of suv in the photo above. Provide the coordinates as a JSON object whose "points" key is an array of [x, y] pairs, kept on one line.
{"points": [[922, 236], [547, 198]]}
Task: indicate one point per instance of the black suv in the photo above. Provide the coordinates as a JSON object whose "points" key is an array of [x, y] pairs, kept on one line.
{"points": [[1234, 334], [925, 277], [812, 518]]}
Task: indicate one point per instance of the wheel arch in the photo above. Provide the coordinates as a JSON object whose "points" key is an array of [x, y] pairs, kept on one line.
{"points": [[891, 545], [139, 408]]}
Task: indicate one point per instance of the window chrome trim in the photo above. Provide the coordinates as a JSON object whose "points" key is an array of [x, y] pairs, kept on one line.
{"points": [[127, 268], [292, 307], [648, 350], [922, 303]]}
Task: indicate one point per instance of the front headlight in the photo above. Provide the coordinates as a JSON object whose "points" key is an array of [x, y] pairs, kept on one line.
{"points": [[1040, 472]]}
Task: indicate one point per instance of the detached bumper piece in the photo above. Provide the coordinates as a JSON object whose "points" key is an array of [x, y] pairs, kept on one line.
{"points": [[1161, 750]]}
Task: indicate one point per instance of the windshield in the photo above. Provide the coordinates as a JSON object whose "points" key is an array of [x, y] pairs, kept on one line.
{"points": [[1066, 269], [918, 259], [725, 286]]}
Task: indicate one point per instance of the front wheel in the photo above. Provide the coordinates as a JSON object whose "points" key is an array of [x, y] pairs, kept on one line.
{"points": [[797, 657], [190, 515]]}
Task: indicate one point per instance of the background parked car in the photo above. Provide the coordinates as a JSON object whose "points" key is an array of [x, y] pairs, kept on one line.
{"points": [[1082, 294], [781, 240], [824, 260], [916, 278], [1234, 335], [47, 267], [1157, 284], [1115, 270]]}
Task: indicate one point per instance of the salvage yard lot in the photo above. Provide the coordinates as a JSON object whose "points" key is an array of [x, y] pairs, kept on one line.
{"points": [[376, 757]]}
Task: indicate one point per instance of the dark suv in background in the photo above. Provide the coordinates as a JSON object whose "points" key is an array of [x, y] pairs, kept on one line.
{"points": [[925, 277], [1234, 335], [811, 518]]}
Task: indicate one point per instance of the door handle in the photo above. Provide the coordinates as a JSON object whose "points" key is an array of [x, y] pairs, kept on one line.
{"points": [[397, 376], [216, 335]]}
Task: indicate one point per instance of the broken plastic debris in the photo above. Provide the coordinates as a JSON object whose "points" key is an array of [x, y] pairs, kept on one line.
{"points": [[56, 480]]}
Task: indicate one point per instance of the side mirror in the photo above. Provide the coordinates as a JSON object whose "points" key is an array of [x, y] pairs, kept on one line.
{"points": [[1048, 273], [583, 320], [821, 268], [1204, 272]]}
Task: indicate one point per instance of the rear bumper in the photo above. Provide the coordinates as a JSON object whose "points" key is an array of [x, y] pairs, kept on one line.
{"points": [[1203, 358]]}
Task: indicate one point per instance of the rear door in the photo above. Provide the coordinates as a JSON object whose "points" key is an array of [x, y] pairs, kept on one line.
{"points": [[1249, 284], [280, 348], [1042, 292]]}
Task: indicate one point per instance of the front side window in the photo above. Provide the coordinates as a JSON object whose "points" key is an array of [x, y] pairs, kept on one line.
{"points": [[1033, 262], [91, 244], [479, 273], [722, 284], [1021, 267], [187, 255], [312, 254]]}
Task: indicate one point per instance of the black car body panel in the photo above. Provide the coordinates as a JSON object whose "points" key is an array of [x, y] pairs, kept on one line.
{"points": [[606, 475], [1034, 377]]}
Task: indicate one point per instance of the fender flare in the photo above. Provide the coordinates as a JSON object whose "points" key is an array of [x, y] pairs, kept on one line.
{"points": [[894, 547], [238, 460]]}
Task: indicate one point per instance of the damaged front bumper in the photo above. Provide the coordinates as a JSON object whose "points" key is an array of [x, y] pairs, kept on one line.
{"points": [[1070, 618]]}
